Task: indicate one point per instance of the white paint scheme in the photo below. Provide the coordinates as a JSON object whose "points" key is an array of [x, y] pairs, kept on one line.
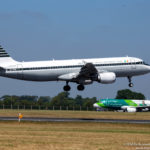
{"points": [[140, 102], [65, 72], [139, 105]]}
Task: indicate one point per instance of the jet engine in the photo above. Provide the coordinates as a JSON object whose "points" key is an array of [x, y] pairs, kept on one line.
{"points": [[107, 77], [129, 109]]}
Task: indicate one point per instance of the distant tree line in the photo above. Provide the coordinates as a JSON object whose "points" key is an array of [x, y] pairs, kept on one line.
{"points": [[63, 99]]}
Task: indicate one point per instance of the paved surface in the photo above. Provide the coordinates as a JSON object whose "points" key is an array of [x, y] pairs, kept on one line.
{"points": [[75, 120]]}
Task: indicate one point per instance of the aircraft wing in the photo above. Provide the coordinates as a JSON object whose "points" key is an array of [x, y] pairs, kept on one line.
{"points": [[88, 71]]}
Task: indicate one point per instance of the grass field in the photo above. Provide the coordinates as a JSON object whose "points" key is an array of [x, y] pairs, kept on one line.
{"points": [[73, 135]]}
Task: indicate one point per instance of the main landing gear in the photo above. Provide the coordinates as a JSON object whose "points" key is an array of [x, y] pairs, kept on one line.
{"points": [[130, 82], [80, 87], [67, 88]]}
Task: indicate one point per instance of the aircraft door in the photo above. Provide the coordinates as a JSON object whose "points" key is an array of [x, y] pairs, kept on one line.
{"points": [[20, 71]]}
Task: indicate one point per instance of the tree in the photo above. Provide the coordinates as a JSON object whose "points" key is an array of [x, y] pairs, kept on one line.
{"points": [[60, 99], [128, 94], [8, 100], [79, 100], [88, 102], [44, 100]]}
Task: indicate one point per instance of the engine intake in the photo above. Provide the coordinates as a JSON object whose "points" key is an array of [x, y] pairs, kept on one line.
{"points": [[107, 77]]}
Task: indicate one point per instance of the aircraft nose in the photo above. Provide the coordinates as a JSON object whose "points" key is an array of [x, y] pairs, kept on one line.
{"points": [[148, 68], [95, 105]]}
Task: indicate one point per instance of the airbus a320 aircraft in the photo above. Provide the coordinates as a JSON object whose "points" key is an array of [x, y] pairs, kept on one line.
{"points": [[127, 105], [80, 71]]}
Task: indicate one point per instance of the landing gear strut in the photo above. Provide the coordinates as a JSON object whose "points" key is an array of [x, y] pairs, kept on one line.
{"points": [[67, 87], [130, 82], [80, 87]]}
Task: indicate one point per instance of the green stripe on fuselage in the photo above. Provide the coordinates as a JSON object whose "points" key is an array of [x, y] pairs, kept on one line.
{"points": [[101, 104], [131, 103], [115, 103]]}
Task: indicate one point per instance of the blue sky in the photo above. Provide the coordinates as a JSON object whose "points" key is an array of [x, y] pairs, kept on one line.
{"points": [[43, 30]]}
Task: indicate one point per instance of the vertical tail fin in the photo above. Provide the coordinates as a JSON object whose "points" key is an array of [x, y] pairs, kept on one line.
{"points": [[3, 53], [5, 59]]}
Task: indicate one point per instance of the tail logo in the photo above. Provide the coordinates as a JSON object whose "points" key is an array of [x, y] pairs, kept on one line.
{"points": [[3, 53]]}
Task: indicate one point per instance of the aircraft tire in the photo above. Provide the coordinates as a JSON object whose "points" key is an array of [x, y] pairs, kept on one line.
{"points": [[80, 87], [67, 88], [131, 85]]}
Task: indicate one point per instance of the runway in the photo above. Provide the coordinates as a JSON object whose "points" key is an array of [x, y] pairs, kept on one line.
{"points": [[33, 119]]}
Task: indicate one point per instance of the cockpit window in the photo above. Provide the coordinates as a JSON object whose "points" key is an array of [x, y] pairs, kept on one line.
{"points": [[145, 63], [140, 62]]}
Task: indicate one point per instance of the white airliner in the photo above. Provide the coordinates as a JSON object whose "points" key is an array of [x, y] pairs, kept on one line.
{"points": [[80, 71]]}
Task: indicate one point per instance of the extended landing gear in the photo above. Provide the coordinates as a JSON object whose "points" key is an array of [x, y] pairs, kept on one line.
{"points": [[67, 87], [130, 82], [80, 87]]}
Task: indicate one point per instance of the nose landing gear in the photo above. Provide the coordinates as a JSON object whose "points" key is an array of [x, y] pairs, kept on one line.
{"points": [[130, 82], [131, 85]]}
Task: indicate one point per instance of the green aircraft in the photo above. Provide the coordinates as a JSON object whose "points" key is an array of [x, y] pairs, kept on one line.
{"points": [[123, 104]]}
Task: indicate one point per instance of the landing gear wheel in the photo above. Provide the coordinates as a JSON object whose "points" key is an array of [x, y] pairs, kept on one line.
{"points": [[130, 82], [80, 87], [131, 85], [67, 88]]}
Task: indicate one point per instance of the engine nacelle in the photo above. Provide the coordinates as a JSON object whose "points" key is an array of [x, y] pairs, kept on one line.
{"points": [[129, 109], [107, 77]]}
